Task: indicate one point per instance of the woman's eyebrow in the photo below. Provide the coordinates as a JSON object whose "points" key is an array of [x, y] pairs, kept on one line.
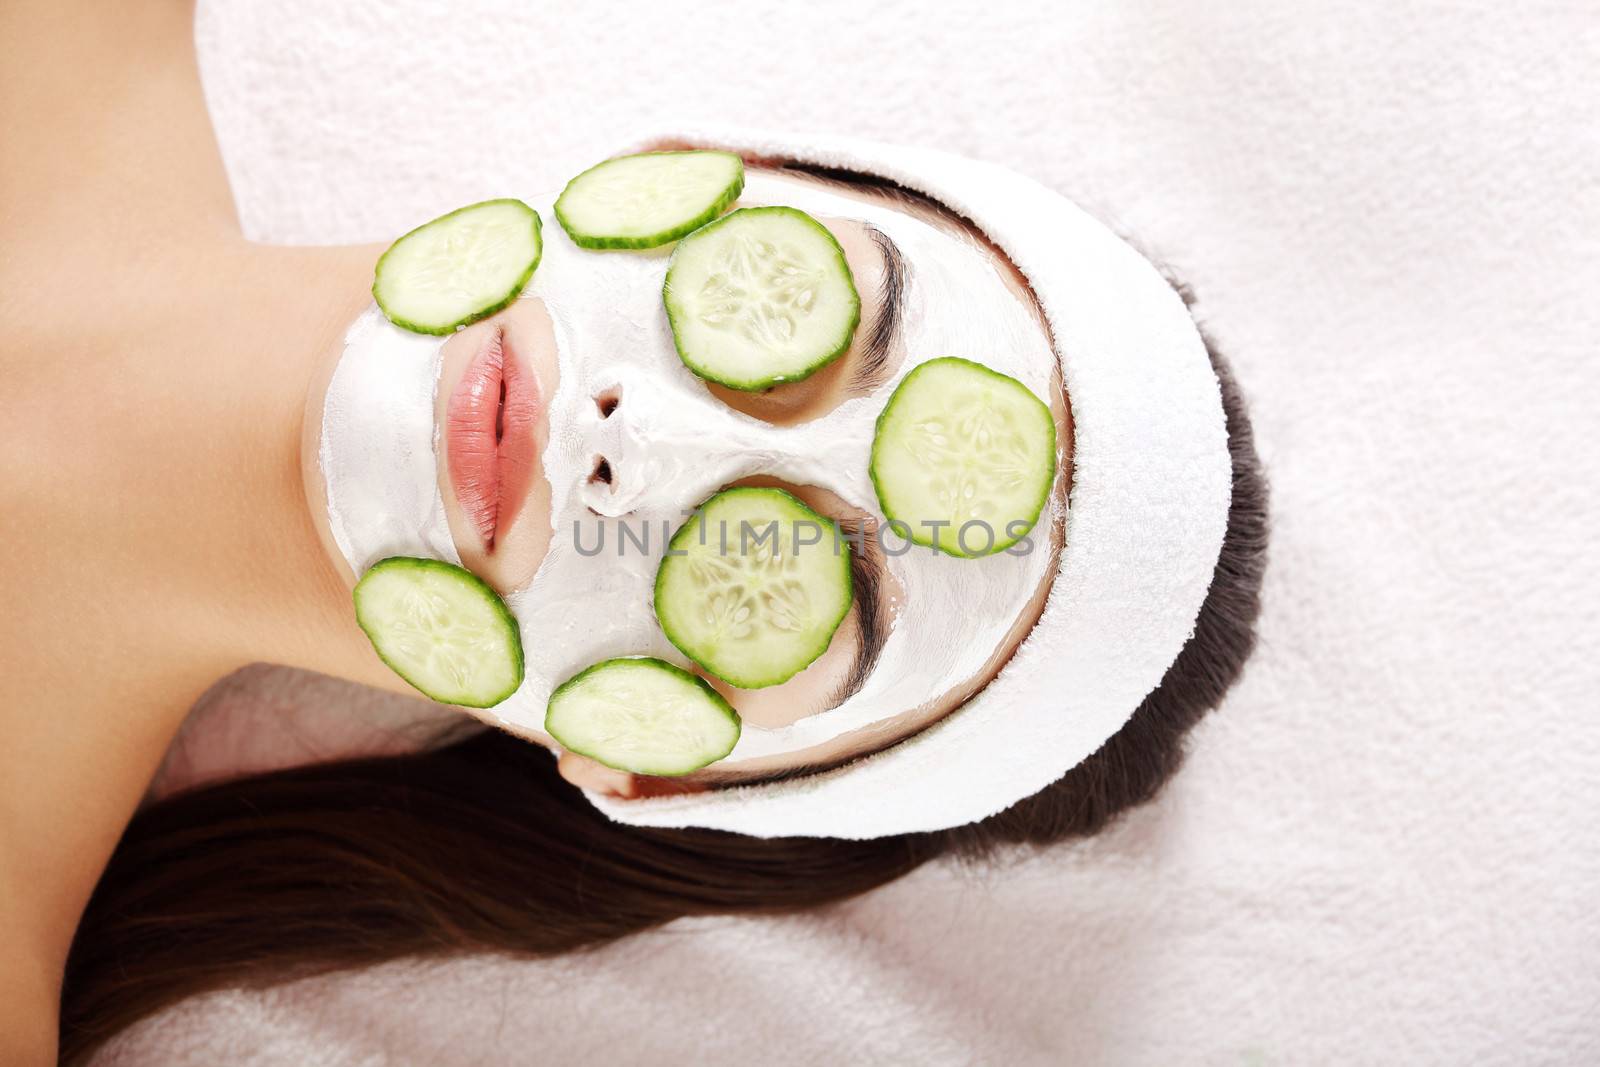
{"points": [[871, 369]]}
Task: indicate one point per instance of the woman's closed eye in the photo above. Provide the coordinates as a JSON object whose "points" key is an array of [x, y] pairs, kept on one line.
{"points": [[879, 270], [853, 653]]}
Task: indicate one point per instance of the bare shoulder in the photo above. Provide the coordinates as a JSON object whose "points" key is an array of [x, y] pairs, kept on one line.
{"points": [[108, 149]]}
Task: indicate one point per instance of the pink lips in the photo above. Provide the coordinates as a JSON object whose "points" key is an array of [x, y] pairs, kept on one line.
{"points": [[489, 428]]}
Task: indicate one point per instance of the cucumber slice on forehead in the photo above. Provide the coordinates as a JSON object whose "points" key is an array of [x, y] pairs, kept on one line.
{"points": [[761, 296], [642, 715], [649, 199], [442, 629], [961, 444], [460, 267], [753, 588]]}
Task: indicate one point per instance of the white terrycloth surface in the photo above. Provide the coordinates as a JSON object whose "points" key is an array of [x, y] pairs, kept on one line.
{"points": [[1382, 849]]}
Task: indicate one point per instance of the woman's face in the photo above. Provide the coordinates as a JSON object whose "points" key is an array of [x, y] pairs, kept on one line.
{"points": [[564, 441]]}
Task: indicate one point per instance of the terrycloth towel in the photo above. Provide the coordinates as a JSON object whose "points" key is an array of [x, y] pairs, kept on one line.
{"points": [[1382, 847]]}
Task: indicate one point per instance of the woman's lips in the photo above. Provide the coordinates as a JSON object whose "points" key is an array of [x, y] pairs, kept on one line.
{"points": [[489, 428]]}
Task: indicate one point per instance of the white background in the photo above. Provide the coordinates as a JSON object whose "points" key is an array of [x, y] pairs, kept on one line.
{"points": [[1384, 848]]}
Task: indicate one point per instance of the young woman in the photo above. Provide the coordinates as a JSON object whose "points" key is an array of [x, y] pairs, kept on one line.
{"points": [[196, 473]]}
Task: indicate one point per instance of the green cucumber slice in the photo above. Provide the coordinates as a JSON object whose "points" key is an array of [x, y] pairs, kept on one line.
{"points": [[649, 199], [442, 629], [460, 267], [959, 443], [642, 715], [762, 295], [742, 592]]}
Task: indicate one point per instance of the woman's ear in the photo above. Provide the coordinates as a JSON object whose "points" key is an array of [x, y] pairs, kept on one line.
{"points": [[586, 773]]}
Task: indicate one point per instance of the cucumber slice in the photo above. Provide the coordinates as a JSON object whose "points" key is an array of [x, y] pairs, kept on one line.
{"points": [[442, 629], [642, 715], [753, 604], [761, 296], [649, 199], [959, 443], [460, 267]]}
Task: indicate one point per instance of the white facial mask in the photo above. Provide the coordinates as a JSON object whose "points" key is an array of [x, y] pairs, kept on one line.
{"points": [[377, 446], [670, 444]]}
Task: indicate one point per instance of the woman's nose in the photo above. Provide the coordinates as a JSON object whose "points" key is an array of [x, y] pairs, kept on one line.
{"points": [[664, 448]]}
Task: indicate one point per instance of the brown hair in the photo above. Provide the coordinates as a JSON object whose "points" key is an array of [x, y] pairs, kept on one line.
{"points": [[480, 845]]}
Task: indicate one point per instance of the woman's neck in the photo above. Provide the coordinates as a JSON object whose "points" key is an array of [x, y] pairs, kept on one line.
{"points": [[264, 567], [155, 363], [156, 530], [154, 524], [180, 456]]}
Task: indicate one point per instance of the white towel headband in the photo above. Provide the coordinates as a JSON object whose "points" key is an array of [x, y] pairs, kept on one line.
{"points": [[1148, 508]]}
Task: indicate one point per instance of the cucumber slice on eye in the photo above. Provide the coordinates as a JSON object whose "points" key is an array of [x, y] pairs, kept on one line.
{"points": [[959, 443], [649, 199], [460, 267], [761, 296], [642, 715], [754, 587], [442, 629]]}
